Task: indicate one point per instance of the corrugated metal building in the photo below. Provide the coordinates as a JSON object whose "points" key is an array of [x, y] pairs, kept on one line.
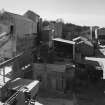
{"points": [[84, 46], [64, 48]]}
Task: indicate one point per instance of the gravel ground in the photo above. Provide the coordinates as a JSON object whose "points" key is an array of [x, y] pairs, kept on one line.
{"points": [[93, 94]]}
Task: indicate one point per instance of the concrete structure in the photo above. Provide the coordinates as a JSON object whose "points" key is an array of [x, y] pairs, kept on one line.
{"points": [[50, 30], [56, 27], [32, 16], [54, 76], [19, 34]]}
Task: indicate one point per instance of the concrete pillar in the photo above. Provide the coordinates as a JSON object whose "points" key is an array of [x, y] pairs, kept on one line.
{"points": [[91, 32], [73, 51], [96, 35], [4, 74]]}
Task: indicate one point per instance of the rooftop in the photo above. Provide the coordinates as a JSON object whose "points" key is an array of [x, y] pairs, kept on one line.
{"points": [[84, 40], [15, 15], [64, 41], [17, 83]]}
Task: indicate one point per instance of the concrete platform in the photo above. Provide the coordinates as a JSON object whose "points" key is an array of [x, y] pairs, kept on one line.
{"points": [[51, 101]]}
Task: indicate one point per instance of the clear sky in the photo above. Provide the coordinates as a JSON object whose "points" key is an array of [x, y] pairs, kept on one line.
{"points": [[80, 12]]}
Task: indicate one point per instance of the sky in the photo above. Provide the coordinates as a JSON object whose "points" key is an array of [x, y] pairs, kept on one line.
{"points": [[80, 12]]}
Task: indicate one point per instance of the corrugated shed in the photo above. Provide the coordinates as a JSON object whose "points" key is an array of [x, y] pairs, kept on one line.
{"points": [[85, 47]]}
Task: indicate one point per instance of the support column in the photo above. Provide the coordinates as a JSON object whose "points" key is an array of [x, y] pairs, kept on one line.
{"points": [[4, 74], [73, 51]]}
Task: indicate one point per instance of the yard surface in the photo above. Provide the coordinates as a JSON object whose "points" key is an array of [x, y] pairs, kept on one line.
{"points": [[90, 94]]}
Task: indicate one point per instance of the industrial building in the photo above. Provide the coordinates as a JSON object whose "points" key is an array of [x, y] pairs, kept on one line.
{"points": [[18, 36], [84, 46], [41, 59], [17, 39]]}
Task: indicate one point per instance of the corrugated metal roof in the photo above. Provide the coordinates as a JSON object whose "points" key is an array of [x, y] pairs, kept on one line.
{"points": [[77, 38], [31, 12], [32, 85], [63, 40], [20, 82], [83, 39]]}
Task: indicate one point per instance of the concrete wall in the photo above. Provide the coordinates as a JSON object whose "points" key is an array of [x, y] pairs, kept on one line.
{"points": [[23, 34], [52, 76], [32, 16]]}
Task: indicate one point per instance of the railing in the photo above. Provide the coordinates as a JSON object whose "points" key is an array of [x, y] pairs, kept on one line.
{"points": [[4, 63]]}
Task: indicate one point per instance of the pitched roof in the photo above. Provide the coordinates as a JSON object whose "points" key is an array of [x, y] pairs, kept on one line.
{"points": [[83, 40], [15, 15]]}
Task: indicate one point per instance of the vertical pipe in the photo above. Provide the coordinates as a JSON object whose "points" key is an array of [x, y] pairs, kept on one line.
{"points": [[91, 32], [96, 36], [4, 74]]}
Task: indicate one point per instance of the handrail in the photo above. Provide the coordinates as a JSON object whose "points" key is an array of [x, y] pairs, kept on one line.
{"points": [[10, 60]]}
